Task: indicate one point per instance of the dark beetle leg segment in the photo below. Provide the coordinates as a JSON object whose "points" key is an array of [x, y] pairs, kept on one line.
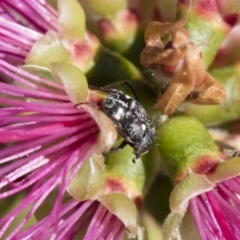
{"points": [[120, 147]]}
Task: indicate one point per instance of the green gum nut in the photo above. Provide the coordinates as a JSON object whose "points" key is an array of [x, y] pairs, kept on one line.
{"points": [[227, 111], [71, 19], [72, 44], [121, 44], [205, 26], [182, 142], [123, 34], [126, 183], [133, 179], [130, 43], [107, 66], [106, 8]]}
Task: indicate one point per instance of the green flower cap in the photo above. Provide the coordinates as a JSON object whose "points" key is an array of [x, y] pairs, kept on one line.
{"points": [[185, 146], [127, 177], [123, 208], [191, 187], [106, 8], [204, 25], [74, 44], [71, 19], [117, 183]]}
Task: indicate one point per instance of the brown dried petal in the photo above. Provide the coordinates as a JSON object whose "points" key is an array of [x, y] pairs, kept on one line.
{"points": [[212, 92], [156, 56], [177, 91], [153, 55], [179, 38], [156, 30], [195, 63], [152, 34]]}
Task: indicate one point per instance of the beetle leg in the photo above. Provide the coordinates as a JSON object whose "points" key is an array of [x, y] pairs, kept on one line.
{"points": [[120, 147], [136, 157]]}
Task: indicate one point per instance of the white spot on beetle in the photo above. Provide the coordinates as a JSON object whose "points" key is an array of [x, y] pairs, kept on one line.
{"points": [[144, 127], [119, 113]]}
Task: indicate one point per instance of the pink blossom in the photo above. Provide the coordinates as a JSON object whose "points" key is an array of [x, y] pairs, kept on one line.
{"points": [[216, 212], [49, 141]]}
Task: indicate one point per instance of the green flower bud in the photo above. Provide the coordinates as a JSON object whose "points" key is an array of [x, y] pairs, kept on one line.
{"points": [[205, 26], [185, 146], [71, 20], [122, 175], [106, 8]]}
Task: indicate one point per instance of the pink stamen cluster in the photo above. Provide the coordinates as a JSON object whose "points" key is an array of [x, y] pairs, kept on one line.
{"points": [[34, 14], [48, 137], [217, 212], [22, 23]]}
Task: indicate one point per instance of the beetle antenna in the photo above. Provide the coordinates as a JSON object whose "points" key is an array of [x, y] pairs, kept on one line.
{"points": [[103, 89], [86, 103], [133, 91]]}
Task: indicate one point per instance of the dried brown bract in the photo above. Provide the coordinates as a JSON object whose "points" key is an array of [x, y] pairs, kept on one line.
{"points": [[181, 61]]}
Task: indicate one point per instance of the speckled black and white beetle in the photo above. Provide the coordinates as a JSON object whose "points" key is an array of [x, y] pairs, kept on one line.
{"points": [[132, 121]]}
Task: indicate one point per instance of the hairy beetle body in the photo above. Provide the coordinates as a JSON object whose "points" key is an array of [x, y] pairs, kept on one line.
{"points": [[132, 121]]}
